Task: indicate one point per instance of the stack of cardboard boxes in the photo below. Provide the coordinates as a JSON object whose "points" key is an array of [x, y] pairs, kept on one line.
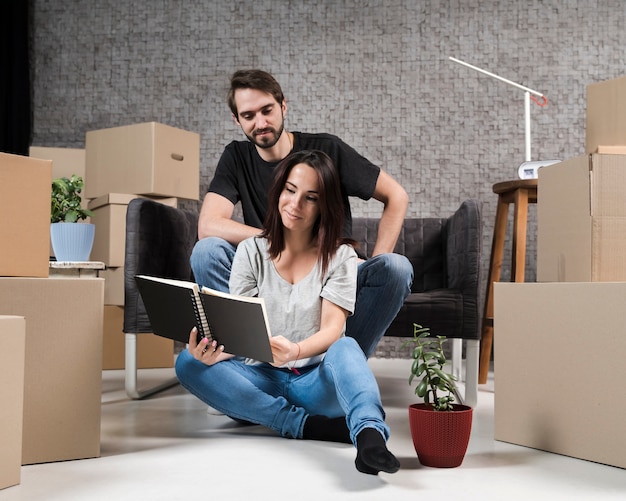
{"points": [[148, 160], [560, 343], [51, 327], [60, 380]]}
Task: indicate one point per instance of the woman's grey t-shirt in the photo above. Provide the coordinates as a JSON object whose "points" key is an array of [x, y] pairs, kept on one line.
{"points": [[294, 310]]}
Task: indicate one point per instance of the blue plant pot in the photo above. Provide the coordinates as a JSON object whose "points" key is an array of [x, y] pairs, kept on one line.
{"points": [[72, 241]]}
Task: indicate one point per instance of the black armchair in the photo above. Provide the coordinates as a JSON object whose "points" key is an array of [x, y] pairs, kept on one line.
{"points": [[159, 240], [445, 254]]}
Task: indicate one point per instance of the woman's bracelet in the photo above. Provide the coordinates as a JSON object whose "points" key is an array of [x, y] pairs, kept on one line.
{"points": [[293, 367]]}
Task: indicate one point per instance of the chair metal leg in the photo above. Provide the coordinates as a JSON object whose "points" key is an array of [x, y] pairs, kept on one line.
{"points": [[457, 365], [472, 353], [457, 357], [472, 357], [130, 372]]}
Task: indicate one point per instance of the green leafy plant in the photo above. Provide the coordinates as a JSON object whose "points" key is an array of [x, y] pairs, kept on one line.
{"points": [[436, 386], [66, 200]]}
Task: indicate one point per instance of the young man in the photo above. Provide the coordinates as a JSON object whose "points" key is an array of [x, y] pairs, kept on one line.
{"points": [[244, 174]]}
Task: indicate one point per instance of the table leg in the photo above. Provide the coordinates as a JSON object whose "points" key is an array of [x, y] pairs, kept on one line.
{"points": [[520, 218], [495, 266]]}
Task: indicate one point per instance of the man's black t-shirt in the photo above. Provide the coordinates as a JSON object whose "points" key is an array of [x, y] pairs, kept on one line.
{"points": [[242, 175]]}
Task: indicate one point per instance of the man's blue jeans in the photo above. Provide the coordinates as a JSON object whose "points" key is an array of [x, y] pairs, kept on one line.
{"points": [[383, 284], [342, 384]]}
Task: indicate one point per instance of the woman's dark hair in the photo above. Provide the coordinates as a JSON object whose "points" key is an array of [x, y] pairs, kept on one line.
{"points": [[328, 227], [253, 79]]}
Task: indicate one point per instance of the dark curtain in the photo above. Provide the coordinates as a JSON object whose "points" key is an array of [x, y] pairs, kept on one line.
{"points": [[15, 106]]}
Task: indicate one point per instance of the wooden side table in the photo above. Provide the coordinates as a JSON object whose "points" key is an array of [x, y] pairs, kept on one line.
{"points": [[520, 193]]}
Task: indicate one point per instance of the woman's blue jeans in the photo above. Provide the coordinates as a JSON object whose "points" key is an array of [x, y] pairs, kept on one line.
{"points": [[383, 284], [342, 384]]}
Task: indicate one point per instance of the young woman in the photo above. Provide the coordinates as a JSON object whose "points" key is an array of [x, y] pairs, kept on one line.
{"points": [[319, 386]]}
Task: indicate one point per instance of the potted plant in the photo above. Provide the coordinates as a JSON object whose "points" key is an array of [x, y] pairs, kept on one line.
{"points": [[440, 428], [70, 241]]}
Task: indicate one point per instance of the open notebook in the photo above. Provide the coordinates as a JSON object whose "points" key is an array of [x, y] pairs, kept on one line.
{"points": [[239, 323]]}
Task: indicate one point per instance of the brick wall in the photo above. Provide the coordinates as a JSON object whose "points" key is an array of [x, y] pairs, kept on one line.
{"points": [[374, 72]]}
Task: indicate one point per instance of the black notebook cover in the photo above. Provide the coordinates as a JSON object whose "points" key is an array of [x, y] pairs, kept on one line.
{"points": [[240, 324]]}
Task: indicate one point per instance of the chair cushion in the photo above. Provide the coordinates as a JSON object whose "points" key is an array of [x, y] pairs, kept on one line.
{"points": [[441, 310]]}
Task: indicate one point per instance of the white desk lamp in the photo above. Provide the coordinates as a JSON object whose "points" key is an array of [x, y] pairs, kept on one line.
{"points": [[528, 169]]}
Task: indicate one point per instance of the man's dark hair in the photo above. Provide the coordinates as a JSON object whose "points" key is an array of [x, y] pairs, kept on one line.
{"points": [[253, 79]]}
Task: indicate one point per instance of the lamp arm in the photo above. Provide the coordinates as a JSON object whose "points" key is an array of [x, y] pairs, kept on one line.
{"points": [[527, 93]]}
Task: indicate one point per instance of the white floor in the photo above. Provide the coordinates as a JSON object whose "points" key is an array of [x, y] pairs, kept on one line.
{"points": [[168, 447]]}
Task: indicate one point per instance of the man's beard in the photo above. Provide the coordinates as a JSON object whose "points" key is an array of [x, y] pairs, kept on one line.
{"points": [[267, 142]]}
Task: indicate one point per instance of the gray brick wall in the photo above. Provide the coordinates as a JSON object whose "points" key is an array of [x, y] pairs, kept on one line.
{"points": [[374, 72]]}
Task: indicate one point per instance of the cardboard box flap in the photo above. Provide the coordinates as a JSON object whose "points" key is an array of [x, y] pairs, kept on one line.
{"points": [[111, 199], [571, 177], [125, 198], [566, 215], [611, 150]]}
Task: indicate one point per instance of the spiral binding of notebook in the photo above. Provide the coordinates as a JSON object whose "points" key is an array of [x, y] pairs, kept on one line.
{"points": [[203, 326]]}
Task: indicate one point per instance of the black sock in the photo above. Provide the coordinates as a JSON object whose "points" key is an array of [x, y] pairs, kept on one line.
{"points": [[372, 453], [327, 429]]}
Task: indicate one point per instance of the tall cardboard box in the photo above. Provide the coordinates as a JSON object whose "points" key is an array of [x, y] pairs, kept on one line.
{"points": [[110, 220], [63, 364], [581, 220], [25, 188], [606, 114], [12, 348], [147, 159], [559, 368], [152, 351]]}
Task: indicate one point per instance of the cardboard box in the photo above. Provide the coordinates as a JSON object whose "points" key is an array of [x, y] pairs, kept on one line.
{"points": [[113, 286], [25, 188], [606, 114], [65, 161], [12, 349], [147, 159], [63, 364], [110, 220], [559, 368], [581, 220], [152, 351]]}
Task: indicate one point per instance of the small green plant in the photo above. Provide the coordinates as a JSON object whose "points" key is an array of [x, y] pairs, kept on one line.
{"points": [[66, 200], [436, 387]]}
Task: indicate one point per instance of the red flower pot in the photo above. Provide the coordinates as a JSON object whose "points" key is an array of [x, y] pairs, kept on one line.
{"points": [[440, 438]]}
